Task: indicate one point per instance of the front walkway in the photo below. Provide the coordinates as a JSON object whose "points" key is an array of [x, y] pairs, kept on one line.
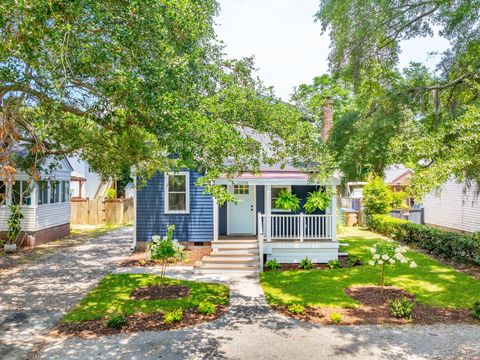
{"points": [[34, 296], [251, 330]]}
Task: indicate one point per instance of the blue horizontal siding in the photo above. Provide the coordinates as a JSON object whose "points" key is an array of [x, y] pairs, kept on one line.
{"points": [[197, 226]]}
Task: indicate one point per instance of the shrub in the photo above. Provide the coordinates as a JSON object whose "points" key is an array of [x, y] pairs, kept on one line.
{"points": [[397, 199], [336, 318], [116, 321], [377, 197], [306, 264], [334, 264], [476, 310], [173, 316], [388, 253], [401, 308], [463, 248], [111, 194], [207, 308], [272, 265], [354, 260], [14, 223], [296, 309], [165, 250]]}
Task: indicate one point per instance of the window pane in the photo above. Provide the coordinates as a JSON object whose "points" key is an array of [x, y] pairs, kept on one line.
{"points": [[42, 193], [57, 191], [16, 192], [177, 183], [241, 189], [26, 193], [177, 202], [3, 191]]}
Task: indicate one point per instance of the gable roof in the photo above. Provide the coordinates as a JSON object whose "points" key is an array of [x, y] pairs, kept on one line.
{"points": [[395, 172]]}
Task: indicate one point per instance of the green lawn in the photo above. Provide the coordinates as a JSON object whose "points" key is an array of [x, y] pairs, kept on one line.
{"points": [[112, 296], [431, 282]]}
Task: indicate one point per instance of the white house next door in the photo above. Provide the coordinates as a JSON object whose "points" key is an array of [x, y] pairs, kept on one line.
{"points": [[242, 214]]}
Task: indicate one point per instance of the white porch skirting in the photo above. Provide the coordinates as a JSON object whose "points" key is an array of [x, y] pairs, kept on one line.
{"points": [[294, 252]]}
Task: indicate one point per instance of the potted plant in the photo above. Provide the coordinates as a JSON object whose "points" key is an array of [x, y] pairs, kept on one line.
{"points": [[287, 201], [316, 200], [14, 228]]}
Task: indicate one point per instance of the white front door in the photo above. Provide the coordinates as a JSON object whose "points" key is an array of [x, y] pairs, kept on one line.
{"points": [[242, 214]]}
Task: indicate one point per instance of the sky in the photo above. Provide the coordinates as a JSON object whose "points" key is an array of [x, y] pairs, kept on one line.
{"points": [[286, 42]]}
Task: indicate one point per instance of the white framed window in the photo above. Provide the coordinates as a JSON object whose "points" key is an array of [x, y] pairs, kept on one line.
{"points": [[42, 194], [241, 189], [177, 192], [275, 191]]}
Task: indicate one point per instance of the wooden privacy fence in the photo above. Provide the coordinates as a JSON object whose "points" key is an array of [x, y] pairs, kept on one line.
{"points": [[101, 211]]}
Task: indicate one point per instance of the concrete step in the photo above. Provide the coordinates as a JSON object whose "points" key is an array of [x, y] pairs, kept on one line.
{"points": [[233, 256], [224, 268], [235, 249], [207, 261]]}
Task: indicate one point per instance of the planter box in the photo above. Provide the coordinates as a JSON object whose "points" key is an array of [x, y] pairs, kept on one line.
{"points": [[10, 247]]}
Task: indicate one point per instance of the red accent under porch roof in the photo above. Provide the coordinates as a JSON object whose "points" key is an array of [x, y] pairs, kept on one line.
{"points": [[273, 175]]}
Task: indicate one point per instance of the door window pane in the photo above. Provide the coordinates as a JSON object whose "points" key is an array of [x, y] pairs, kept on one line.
{"points": [[241, 189]]}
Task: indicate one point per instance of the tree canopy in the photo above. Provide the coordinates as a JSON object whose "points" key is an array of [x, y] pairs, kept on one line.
{"points": [[138, 83], [427, 119]]}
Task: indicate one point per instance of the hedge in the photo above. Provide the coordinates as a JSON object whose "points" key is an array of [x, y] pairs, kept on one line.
{"points": [[463, 248]]}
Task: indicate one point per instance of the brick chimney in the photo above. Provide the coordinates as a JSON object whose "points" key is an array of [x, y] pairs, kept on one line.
{"points": [[327, 118]]}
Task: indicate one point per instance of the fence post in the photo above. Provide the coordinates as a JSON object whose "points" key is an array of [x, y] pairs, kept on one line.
{"points": [[301, 224]]}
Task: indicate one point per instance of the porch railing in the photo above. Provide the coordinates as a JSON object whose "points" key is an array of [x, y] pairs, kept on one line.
{"points": [[295, 227]]}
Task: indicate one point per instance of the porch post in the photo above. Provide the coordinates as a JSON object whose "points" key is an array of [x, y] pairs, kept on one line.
{"points": [[268, 212], [215, 219], [334, 213]]}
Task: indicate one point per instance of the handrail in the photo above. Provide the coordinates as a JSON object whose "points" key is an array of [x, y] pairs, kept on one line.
{"points": [[260, 240]]}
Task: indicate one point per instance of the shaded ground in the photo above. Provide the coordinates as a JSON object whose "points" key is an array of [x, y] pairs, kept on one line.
{"points": [[79, 235], [35, 295], [252, 330]]}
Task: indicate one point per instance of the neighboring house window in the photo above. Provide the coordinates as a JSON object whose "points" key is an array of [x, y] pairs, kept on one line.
{"points": [[26, 193], [241, 189], [275, 191], [65, 190], [17, 193], [177, 193], [54, 192], [3, 191], [42, 193]]}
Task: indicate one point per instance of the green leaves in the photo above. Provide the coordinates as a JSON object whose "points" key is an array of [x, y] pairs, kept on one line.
{"points": [[287, 201], [316, 200], [377, 197]]}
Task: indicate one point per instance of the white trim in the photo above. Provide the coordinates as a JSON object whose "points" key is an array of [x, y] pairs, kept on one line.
{"points": [[289, 187], [281, 181], [254, 224], [216, 221], [187, 192]]}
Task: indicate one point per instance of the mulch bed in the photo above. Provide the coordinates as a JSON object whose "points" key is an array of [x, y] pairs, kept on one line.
{"points": [[140, 259], [321, 266], [159, 292], [375, 310], [136, 323]]}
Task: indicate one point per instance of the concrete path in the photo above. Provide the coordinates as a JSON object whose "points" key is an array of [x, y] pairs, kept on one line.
{"points": [[251, 330], [33, 297]]}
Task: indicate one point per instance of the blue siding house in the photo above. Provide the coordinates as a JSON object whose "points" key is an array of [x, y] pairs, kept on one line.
{"points": [[174, 198]]}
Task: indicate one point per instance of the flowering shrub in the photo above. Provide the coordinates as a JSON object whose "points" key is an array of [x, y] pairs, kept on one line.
{"points": [[165, 249], [389, 253]]}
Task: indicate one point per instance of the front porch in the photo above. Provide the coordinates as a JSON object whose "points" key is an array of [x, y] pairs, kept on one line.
{"points": [[254, 229]]}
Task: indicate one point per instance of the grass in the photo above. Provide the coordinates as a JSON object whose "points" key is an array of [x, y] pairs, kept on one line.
{"points": [[112, 296], [431, 282]]}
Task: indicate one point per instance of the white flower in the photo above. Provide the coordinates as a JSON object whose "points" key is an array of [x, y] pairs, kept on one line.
{"points": [[376, 257], [403, 260], [380, 262], [371, 262], [391, 261], [385, 257], [413, 264], [373, 250], [155, 238], [398, 256]]}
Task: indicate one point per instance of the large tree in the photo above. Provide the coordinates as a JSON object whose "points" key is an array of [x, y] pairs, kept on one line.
{"points": [[142, 83], [427, 119]]}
